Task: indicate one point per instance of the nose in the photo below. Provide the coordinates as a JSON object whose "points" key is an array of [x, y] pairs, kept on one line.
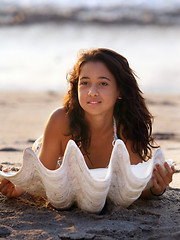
{"points": [[93, 91]]}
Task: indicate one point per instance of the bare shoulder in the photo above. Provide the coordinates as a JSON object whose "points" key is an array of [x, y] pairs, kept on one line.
{"points": [[54, 138], [59, 114], [59, 120]]}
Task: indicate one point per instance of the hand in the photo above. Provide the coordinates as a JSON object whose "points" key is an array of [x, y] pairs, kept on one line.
{"points": [[161, 178], [8, 189]]}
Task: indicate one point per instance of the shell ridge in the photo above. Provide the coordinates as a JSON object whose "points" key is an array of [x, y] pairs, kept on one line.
{"points": [[90, 192], [118, 165], [65, 194], [123, 180]]}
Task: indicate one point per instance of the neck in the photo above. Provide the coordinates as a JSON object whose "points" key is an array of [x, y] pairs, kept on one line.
{"points": [[100, 124]]}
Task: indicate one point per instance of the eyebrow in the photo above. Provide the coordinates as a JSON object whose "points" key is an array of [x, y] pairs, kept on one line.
{"points": [[101, 77]]}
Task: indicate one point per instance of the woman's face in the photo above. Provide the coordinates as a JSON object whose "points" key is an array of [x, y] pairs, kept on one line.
{"points": [[97, 89]]}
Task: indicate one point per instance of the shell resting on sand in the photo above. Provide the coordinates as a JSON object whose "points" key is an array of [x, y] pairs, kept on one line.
{"points": [[74, 182]]}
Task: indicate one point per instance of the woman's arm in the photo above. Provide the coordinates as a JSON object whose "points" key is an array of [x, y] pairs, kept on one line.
{"points": [[160, 179], [51, 148]]}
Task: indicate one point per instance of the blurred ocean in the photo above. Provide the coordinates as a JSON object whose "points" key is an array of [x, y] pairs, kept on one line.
{"points": [[104, 11], [39, 40]]}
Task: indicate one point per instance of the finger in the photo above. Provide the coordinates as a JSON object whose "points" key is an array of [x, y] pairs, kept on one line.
{"points": [[4, 191], [5, 187], [156, 185], [160, 171], [170, 171], [164, 178], [10, 191], [173, 169], [160, 179], [4, 182], [168, 168]]}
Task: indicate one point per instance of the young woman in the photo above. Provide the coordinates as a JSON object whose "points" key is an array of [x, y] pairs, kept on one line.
{"points": [[103, 103]]}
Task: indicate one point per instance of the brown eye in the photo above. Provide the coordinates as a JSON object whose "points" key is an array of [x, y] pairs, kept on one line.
{"points": [[104, 83], [83, 83]]}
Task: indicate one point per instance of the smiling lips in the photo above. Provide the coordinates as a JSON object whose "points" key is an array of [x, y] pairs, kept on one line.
{"points": [[93, 102]]}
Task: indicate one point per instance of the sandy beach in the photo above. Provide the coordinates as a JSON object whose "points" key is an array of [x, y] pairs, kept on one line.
{"points": [[22, 119]]}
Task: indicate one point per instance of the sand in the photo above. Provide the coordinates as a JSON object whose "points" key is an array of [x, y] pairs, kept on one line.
{"points": [[22, 119]]}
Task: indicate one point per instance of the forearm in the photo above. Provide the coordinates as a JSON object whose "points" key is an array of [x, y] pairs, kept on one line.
{"points": [[151, 193]]}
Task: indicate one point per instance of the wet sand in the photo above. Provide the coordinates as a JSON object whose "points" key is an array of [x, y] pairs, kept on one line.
{"points": [[22, 119]]}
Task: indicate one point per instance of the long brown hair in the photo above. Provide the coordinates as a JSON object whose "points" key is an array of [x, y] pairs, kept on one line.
{"points": [[130, 112]]}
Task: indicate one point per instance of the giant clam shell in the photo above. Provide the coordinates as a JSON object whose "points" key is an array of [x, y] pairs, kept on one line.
{"points": [[74, 182]]}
